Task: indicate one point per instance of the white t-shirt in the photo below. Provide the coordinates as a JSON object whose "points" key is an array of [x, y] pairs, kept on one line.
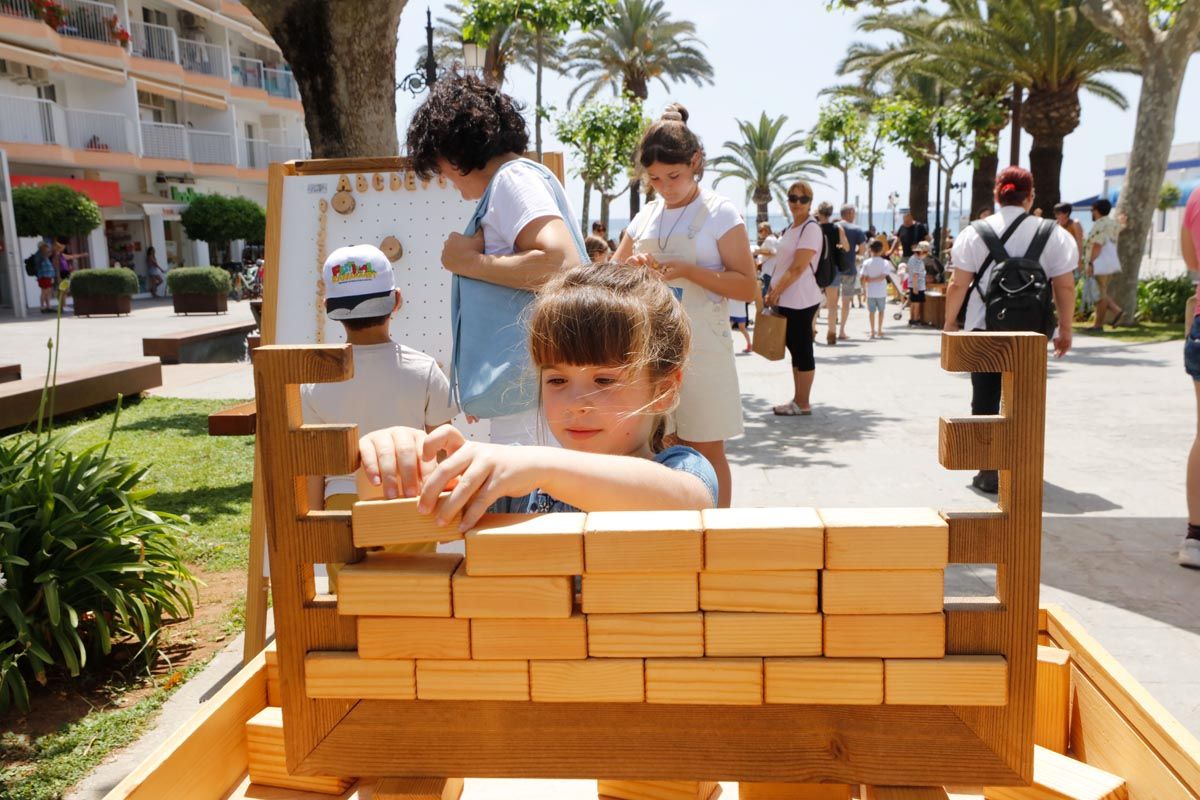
{"points": [[915, 269], [876, 267], [770, 243], [1060, 256], [519, 196], [392, 385], [804, 291], [723, 217]]}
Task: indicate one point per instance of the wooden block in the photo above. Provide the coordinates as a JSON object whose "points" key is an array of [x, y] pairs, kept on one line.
{"points": [[1052, 716], [264, 750], [885, 538], [528, 639], [472, 680], [641, 635], [904, 793], [732, 633], [594, 680], [640, 593], [658, 790], [528, 597], [740, 539], [795, 791], [790, 592], [643, 541], [418, 789], [271, 659], [398, 585], [414, 637], [338, 674], [949, 681], [885, 636], [705, 681], [1057, 777], [913, 591], [383, 522], [526, 544], [824, 681]]}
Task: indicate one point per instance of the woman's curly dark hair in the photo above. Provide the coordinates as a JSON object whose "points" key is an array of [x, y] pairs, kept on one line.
{"points": [[466, 122]]}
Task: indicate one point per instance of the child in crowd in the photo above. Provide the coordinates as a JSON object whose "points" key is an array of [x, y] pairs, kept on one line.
{"points": [[915, 269], [609, 342], [739, 318], [874, 276], [392, 384], [597, 249]]}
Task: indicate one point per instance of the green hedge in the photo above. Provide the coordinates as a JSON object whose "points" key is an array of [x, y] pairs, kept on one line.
{"points": [[97, 282], [1164, 299], [198, 280]]}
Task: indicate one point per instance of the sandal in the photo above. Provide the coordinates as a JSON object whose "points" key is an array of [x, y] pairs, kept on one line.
{"points": [[792, 410], [1117, 319]]}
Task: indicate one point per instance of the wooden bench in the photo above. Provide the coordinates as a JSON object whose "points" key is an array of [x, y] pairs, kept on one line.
{"points": [[10, 372], [239, 420], [170, 347], [78, 389]]}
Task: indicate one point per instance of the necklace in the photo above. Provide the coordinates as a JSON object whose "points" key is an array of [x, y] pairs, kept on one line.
{"points": [[662, 243]]}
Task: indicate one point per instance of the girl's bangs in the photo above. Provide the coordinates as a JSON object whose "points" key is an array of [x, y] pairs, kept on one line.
{"points": [[584, 327]]}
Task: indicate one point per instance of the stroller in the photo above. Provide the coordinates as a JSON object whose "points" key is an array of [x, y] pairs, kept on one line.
{"points": [[901, 286]]}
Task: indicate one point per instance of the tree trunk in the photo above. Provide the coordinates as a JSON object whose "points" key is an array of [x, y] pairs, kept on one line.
{"points": [[941, 235], [1014, 149], [983, 185], [1045, 162], [587, 202], [537, 110], [493, 68], [870, 199], [349, 97], [1049, 116], [845, 186], [605, 200], [635, 197], [918, 191]]}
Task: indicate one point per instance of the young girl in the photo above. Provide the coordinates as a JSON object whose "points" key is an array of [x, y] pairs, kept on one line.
{"points": [[609, 342]]}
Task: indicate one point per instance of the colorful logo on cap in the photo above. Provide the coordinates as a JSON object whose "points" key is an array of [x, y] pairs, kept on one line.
{"points": [[350, 270]]}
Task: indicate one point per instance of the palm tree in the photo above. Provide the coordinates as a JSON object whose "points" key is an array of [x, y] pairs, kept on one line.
{"points": [[764, 163], [507, 45]]}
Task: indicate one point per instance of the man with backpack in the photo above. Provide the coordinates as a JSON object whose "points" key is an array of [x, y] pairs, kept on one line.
{"points": [[1012, 272], [41, 267]]}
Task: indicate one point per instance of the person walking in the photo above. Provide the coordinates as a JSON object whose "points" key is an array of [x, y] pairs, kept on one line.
{"points": [[154, 272], [835, 244], [794, 292], [973, 267], [1062, 215], [908, 234], [698, 241], [847, 262], [46, 274], [1102, 262], [1189, 243]]}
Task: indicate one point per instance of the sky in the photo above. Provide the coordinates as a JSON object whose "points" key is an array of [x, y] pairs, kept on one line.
{"points": [[757, 68]]}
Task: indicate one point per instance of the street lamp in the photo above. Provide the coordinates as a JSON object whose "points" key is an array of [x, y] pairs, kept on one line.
{"points": [[474, 56], [893, 203], [416, 82], [959, 185]]}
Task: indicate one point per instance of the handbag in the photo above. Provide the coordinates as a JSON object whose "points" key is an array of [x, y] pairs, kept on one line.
{"points": [[770, 332], [490, 374]]}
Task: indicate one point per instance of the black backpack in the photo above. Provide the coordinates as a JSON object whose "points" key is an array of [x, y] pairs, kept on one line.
{"points": [[1019, 296], [825, 270], [31, 266]]}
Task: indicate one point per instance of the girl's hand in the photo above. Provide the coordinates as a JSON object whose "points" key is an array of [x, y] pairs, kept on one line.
{"points": [[645, 260], [392, 458], [460, 252], [677, 270], [484, 472]]}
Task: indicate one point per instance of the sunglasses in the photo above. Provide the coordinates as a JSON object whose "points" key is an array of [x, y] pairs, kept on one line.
{"points": [[799, 198]]}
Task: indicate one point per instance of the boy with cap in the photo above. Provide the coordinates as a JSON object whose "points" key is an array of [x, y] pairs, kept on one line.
{"points": [[392, 384], [915, 269]]}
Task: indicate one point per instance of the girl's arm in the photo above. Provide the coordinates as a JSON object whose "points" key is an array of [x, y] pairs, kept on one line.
{"points": [[736, 281], [624, 250]]}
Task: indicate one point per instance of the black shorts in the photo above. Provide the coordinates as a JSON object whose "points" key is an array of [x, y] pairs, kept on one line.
{"points": [[800, 336], [916, 297]]}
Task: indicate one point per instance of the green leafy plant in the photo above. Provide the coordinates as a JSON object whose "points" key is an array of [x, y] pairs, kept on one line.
{"points": [[103, 282], [1164, 299], [198, 280], [54, 210], [219, 220]]}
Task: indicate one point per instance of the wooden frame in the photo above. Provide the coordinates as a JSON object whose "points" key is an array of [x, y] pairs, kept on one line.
{"points": [[881, 745]]}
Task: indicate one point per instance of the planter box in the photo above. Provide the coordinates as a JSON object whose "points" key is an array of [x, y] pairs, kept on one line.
{"points": [[92, 305], [256, 310], [200, 303]]}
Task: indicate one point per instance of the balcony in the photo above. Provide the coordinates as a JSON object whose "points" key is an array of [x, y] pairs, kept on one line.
{"points": [[100, 131], [211, 147], [164, 140], [247, 72], [254, 154], [204, 58], [280, 83], [154, 41], [81, 19], [31, 121], [285, 152]]}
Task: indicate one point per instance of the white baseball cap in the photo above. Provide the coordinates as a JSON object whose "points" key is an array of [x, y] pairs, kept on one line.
{"points": [[358, 283]]}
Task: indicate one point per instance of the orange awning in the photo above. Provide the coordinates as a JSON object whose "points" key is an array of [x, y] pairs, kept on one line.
{"points": [[104, 193]]}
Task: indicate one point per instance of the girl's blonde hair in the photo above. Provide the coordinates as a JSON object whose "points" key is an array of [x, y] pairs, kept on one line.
{"points": [[614, 315]]}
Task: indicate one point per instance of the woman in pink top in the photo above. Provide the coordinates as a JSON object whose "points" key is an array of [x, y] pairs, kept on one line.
{"points": [[1189, 243], [794, 292]]}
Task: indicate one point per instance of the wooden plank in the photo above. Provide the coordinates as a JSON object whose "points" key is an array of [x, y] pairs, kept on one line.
{"points": [[414, 637], [640, 593], [398, 584], [643, 541], [914, 591], [705, 681], [529, 639], [271, 657], [742, 539], [982, 442], [640, 635], [264, 750], [526, 544], [732, 633], [904, 793], [10, 372], [337, 674], [886, 636], [836, 681], [168, 347], [594, 680], [953, 680], [378, 523], [657, 790], [418, 789], [257, 582], [1053, 720], [795, 791], [529, 597], [885, 538], [78, 389], [791, 592], [239, 420], [472, 680], [1057, 777]]}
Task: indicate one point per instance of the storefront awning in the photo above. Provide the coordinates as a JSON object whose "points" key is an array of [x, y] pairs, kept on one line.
{"points": [[159, 88], [56, 63], [204, 99], [106, 194]]}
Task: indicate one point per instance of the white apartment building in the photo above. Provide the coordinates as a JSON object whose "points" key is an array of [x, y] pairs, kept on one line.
{"points": [[142, 104]]}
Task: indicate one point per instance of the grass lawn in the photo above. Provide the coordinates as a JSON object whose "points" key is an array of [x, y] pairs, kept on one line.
{"points": [[1142, 333], [74, 724]]}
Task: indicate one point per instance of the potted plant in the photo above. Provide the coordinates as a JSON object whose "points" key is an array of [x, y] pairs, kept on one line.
{"points": [[199, 290], [103, 291]]}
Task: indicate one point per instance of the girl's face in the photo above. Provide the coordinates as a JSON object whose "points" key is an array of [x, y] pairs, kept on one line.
{"points": [[597, 409], [675, 182]]}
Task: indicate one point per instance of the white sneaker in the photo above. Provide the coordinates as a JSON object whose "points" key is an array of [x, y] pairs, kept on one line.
{"points": [[1189, 554]]}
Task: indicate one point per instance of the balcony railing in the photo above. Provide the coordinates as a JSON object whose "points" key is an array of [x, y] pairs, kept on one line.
{"points": [[99, 131], [85, 19], [204, 58], [154, 41], [247, 72], [31, 121], [280, 83], [164, 140], [285, 152], [254, 154], [19, 8], [211, 147]]}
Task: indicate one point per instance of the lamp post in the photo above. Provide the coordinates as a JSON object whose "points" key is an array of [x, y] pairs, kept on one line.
{"points": [[416, 82], [893, 203], [959, 185], [937, 214]]}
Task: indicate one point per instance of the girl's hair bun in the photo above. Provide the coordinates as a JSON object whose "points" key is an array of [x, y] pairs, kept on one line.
{"points": [[675, 112]]}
